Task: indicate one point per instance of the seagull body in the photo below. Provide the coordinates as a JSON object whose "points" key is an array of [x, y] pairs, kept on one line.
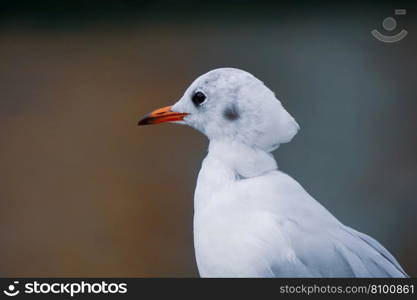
{"points": [[251, 219]]}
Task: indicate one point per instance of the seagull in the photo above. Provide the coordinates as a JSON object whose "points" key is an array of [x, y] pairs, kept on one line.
{"points": [[250, 218]]}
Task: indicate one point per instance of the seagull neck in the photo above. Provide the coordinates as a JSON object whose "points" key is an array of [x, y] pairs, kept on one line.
{"points": [[226, 163], [243, 160]]}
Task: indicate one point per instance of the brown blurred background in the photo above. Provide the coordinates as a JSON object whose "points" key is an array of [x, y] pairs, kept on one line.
{"points": [[85, 192]]}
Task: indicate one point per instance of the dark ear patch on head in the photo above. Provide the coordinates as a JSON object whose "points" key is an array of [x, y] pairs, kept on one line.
{"points": [[231, 113]]}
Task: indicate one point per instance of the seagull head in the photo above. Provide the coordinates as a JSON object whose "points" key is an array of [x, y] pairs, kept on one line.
{"points": [[230, 105]]}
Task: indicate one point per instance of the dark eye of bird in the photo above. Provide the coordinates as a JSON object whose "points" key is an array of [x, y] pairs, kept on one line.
{"points": [[198, 98]]}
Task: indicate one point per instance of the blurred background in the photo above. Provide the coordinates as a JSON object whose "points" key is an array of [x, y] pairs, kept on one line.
{"points": [[84, 191]]}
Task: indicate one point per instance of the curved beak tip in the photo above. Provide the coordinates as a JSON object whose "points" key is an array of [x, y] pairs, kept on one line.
{"points": [[144, 121], [161, 115]]}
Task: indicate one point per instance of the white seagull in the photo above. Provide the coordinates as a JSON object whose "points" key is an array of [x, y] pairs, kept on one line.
{"points": [[250, 218]]}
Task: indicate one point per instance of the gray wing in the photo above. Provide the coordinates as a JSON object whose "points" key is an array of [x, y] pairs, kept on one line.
{"points": [[341, 252], [323, 246], [385, 262]]}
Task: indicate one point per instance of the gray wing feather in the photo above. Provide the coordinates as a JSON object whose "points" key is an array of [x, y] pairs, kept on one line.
{"points": [[388, 264], [342, 252]]}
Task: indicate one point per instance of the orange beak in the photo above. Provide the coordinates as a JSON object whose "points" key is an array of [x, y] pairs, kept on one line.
{"points": [[161, 115]]}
